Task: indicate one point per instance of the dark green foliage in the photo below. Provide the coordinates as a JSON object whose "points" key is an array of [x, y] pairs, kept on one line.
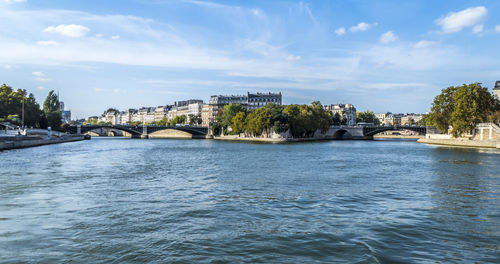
{"points": [[462, 108], [225, 117], [367, 117], [195, 119], [302, 120], [337, 119], [52, 110], [11, 104]]}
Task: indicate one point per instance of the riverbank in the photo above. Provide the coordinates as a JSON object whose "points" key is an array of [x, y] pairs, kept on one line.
{"points": [[462, 143], [282, 139], [398, 136], [7, 143]]}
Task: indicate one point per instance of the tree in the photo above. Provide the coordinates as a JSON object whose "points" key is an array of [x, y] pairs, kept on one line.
{"points": [[472, 105], [305, 120], [52, 110], [225, 117], [239, 123], [442, 108], [462, 108], [195, 119], [32, 112], [367, 117], [336, 118], [11, 104]]}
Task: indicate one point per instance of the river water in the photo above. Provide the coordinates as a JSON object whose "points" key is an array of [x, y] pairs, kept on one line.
{"points": [[115, 200]]}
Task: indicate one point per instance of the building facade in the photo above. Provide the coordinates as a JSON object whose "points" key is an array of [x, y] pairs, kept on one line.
{"points": [[250, 101], [258, 100], [161, 112], [496, 90], [66, 114], [347, 111]]}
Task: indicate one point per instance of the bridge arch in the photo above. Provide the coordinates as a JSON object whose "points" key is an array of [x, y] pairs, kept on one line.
{"points": [[137, 131], [342, 134], [371, 131], [170, 133]]}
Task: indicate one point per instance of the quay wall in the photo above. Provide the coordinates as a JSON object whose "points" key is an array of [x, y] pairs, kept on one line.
{"points": [[33, 142], [333, 133], [459, 142]]}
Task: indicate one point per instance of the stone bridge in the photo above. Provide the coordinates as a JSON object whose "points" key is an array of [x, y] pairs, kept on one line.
{"points": [[367, 132], [146, 131], [334, 132]]}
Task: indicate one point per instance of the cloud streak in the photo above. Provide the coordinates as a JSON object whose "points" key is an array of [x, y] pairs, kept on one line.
{"points": [[456, 21], [73, 31]]}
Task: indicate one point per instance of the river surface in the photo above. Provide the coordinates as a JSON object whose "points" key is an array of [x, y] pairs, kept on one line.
{"points": [[118, 200]]}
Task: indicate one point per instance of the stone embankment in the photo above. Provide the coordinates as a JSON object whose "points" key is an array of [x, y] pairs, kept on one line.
{"points": [[33, 141], [332, 133], [487, 135], [459, 142]]}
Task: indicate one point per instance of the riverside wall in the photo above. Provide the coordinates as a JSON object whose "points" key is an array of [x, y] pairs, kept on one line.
{"points": [[486, 135], [462, 143], [26, 142], [333, 133]]}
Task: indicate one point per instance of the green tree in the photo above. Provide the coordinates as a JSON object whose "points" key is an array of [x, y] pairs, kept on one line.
{"points": [[442, 108], [462, 108], [195, 119], [11, 103], [225, 117], [239, 123], [337, 118], [52, 110], [367, 117], [472, 105]]}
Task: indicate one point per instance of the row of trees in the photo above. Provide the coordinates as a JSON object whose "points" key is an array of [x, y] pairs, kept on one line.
{"points": [[11, 108], [302, 120], [462, 108]]}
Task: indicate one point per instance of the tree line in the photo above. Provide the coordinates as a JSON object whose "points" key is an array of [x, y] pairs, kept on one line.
{"points": [[302, 120], [11, 109], [458, 109]]}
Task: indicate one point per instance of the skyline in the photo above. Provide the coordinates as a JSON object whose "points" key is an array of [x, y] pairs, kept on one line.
{"points": [[383, 56]]}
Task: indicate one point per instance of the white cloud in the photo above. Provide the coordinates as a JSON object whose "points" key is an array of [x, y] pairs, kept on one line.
{"points": [[388, 37], [116, 90], [6, 66], [425, 44], [116, 37], [39, 76], [361, 27], [47, 43], [40, 88], [340, 31], [74, 31], [12, 1], [293, 58], [456, 21], [497, 28], [99, 35], [477, 29]]}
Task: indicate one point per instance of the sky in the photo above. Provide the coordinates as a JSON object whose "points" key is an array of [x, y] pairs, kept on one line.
{"points": [[378, 55]]}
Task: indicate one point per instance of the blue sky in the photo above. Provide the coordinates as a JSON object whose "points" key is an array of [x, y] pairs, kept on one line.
{"points": [[379, 55]]}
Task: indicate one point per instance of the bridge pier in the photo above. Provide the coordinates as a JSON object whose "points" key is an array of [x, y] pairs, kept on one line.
{"points": [[144, 132]]}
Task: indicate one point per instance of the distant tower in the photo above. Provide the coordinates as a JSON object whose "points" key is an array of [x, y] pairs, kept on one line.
{"points": [[496, 90]]}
